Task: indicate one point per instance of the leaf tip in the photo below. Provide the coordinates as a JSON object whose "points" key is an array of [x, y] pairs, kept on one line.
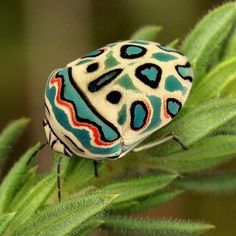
{"points": [[148, 32], [210, 226], [25, 120]]}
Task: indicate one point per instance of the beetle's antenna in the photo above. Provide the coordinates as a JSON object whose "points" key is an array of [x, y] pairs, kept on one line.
{"points": [[36, 152], [59, 178]]}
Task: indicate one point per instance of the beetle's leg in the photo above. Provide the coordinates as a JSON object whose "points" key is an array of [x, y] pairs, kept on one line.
{"points": [[163, 140], [59, 178], [36, 152], [95, 164]]}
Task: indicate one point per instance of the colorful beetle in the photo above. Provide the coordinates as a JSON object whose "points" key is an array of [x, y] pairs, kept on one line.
{"points": [[103, 104]]}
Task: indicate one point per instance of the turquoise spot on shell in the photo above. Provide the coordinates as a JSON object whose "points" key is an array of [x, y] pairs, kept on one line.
{"points": [[185, 71], [173, 84], [173, 107], [160, 56], [122, 115], [156, 117], [111, 61], [139, 116], [132, 50], [126, 82], [150, 73], [93, 53]]}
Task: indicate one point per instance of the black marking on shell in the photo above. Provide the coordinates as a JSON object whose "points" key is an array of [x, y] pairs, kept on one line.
{"points": [[126, 55], [141, 74], [133, 118], [92, 67], [114, 97], [187, 65], [103, 80], [68, 138], [173, 100]]}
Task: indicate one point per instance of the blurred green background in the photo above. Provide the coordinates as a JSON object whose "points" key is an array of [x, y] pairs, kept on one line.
{"points": [[38, 36]]}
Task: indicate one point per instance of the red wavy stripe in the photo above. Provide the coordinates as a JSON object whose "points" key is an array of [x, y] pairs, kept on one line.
{"points": [[166, 115], [68, 106]]}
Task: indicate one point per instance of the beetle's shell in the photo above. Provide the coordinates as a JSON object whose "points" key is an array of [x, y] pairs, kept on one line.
{"points": [[106, 102]]}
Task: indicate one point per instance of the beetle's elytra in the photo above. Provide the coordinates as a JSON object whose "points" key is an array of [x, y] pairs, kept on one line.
{"points": [[107, 101]]}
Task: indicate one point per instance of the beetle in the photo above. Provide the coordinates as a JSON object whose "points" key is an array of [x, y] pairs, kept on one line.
{"points": [[102, 105]]}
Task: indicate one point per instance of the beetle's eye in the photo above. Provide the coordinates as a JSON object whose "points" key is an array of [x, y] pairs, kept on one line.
{"points": [[114, 97], [92, 67]]}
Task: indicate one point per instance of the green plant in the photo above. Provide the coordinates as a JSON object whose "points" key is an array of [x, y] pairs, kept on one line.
{"points": [[207, 124]]}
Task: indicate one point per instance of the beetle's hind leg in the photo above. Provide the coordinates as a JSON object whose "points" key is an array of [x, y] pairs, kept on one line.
{"points": [[95, 165], [161, 141], [59, 178]]}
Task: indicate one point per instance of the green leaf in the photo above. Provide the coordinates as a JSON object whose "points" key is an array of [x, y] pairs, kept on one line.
{"points": [[222, 74], [207, 38], [231, 46], [81, 174], [208, 183], [139, 187], [10, 135], [162, 227], [149, 202], [210, 152], [147, 33], [35, 199], [69, 165], [229, 90], [61, 219], [15, 179], [25, 188], [193, 125], [228, 128], [4, 221], [86, 228], [174, 43]]}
